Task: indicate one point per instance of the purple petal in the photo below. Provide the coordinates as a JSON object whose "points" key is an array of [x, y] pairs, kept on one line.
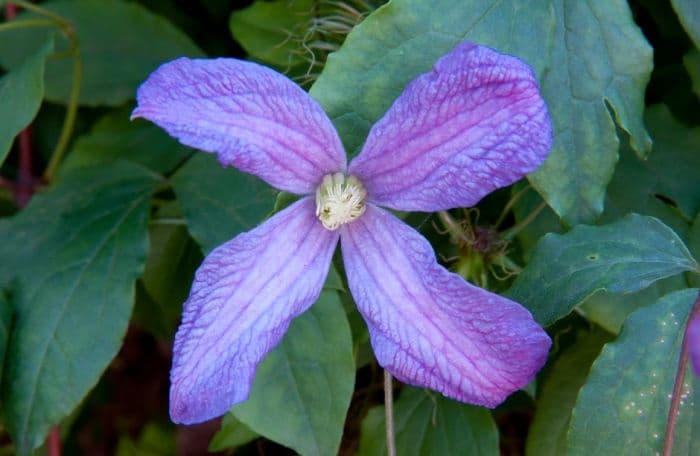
{"points": [[693, 334], [245, 294], [253, 118], [428, 326], [474, 124]]}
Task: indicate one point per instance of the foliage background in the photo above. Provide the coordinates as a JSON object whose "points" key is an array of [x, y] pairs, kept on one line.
{"points": [[601, 243]]}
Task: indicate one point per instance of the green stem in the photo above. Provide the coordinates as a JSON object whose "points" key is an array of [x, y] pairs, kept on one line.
{"points": [[26, 23], [72, 109], [509, 205], [71, 114], [168, 221], [515, 229], [40, 10]]}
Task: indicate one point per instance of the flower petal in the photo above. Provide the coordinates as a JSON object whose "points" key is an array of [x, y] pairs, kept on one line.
{"points": [[253, 118], [245, 294], [693, 334], [474, 124], [428, 326]]}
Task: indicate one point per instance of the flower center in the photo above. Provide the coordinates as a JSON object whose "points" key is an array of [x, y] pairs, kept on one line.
{"points": [[340, 199]]}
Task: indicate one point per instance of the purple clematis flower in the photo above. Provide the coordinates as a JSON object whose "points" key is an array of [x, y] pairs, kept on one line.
{"points": [[475, 123]]}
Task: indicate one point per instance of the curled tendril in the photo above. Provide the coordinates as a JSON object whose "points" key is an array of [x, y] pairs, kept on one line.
{"points": [[330, 21]]}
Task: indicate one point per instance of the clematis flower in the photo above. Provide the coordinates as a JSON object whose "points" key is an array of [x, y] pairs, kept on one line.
{"points": [[475, 123]]}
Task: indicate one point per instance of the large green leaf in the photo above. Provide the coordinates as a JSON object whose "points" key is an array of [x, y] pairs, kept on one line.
{"points": [[114, 137], [689, 13], [671, 171], [302, 389], [623, 406], [655, 186], [621, 257], [120, 44], [72, 257], [427, 423], [403, 39], [600, 64], [268, 30], [219, 203], [547, 434], [21, 92]]}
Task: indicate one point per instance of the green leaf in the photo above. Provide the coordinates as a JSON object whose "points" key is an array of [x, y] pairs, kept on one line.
{"points": [[689, 14], [653, 186], [599, 69], [167, 275], [427, 423], [402, 40], [622, 257], [265, 30], [218, 203], [559, 390], [5, 328], [155, 440], [114, 137], [623, 406], [21, 92], [302, 389], [232, 434], [74, 255], [692, 64], [672, 169], [120, 44], [694, 247], [610, 310]]}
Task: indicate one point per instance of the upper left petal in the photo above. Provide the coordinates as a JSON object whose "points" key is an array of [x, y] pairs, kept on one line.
{"points": [[244, 296], [252, 117], [428, 326]]}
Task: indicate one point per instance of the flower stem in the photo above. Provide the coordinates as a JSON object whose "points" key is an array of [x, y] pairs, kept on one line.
{"points": [[515, 229], [24, 187], [71, 114], [40, 10], [678, 385], [53, 442], [26, 23], [389, 414], [509, 205]]}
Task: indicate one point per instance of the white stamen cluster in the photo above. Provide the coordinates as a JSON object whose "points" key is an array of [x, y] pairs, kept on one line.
{"points": [[340, 199]]}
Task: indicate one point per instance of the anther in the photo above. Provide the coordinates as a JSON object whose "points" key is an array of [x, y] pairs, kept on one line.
{"points": [[340, 199]]}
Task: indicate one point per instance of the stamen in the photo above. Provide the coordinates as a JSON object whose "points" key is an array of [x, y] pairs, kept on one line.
{"points": [[340, 199]]}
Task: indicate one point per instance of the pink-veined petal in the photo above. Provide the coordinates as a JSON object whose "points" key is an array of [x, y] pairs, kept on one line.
{"points": [[245, 294], [252, 117], [475, 123], [428, 326], [693, 334]]}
